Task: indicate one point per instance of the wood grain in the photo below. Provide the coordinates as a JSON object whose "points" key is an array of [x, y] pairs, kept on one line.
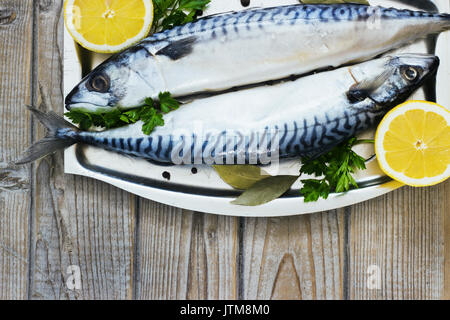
{"points": [[401, 233], [446, 287], [78, 221], [16, 21], [133, 248], [50, 238], [299, 257], [101, 229], [445, 63], [186, 255]]}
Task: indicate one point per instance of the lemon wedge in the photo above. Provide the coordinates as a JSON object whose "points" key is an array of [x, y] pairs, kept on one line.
{"points": [[412, 143], [108, 26]]}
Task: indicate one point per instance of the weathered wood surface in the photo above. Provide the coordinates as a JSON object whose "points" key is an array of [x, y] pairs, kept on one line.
{"points": [[16, 34], [186, 255], [402, 234], [445, 294], [126, 247], [76, 221], [298, 257]]}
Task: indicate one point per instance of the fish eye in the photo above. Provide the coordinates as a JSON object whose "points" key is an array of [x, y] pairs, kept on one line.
{"points": [[98, 83], [410, 73]]}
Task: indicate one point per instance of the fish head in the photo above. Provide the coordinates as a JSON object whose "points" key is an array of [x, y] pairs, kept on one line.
{"points": [[114, 84], [392, 79]]}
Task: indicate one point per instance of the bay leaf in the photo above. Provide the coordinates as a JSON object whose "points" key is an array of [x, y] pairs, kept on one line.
{"points": [[366, 2], [265, 190], [240, 176]]}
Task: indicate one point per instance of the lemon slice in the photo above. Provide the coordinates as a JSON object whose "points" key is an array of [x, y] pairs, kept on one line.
{"points": [[108, 25], [412, 143]]}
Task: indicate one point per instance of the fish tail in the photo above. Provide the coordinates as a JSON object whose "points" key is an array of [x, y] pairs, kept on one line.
{"points": [[60, 134]]}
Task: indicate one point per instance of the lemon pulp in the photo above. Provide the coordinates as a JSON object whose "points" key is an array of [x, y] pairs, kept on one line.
{"points": [[108, 25], [413, 143]]}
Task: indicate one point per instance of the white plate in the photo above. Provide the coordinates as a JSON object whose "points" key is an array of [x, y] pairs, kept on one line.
{"points": [[204, 190]]}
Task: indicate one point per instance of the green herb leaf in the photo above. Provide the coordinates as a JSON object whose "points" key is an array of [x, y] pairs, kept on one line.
{"points": [[167, 103], [149, 113], [97, 119], [265, 190], [240, 176], [149, 102], [171, 13], [314, 189], [85, 123], [174, 19], [112, 119], [151, 118], [124, 118], [132, 115], [83, 120], [317, 166], [193, 4], [336, 168]]}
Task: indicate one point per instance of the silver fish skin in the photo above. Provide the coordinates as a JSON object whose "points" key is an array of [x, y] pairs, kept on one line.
{"points": [[304, 117], [235, 49]]}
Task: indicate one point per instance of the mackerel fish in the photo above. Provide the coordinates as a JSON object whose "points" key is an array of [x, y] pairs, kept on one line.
{"points": [[305, 117], [219, 52]]}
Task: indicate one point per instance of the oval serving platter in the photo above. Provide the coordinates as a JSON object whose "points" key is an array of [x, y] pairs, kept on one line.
{"points": [[198, 187]]}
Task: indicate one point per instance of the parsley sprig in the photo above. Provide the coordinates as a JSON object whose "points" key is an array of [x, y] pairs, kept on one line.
{"points": [[335, 167], [170, 13], [151, 114]]}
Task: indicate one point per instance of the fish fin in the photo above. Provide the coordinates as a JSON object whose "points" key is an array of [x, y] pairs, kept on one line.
{"points": [[178, 49], [52, 141], [362, 90]]}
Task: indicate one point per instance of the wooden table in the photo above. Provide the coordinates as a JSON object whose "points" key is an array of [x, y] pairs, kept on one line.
{"points": [[130, 248]]}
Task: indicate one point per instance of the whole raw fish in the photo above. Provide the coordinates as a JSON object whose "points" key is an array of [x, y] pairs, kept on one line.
{"points": [[307, 116], [234, 49]]}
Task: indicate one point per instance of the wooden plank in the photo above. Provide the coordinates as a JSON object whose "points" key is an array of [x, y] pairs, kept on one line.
{"points": [[16, 21], [401, 234], [446, 287], [78, 221], [445, 63], [300, 257], [186, 255], [101, 231]]}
